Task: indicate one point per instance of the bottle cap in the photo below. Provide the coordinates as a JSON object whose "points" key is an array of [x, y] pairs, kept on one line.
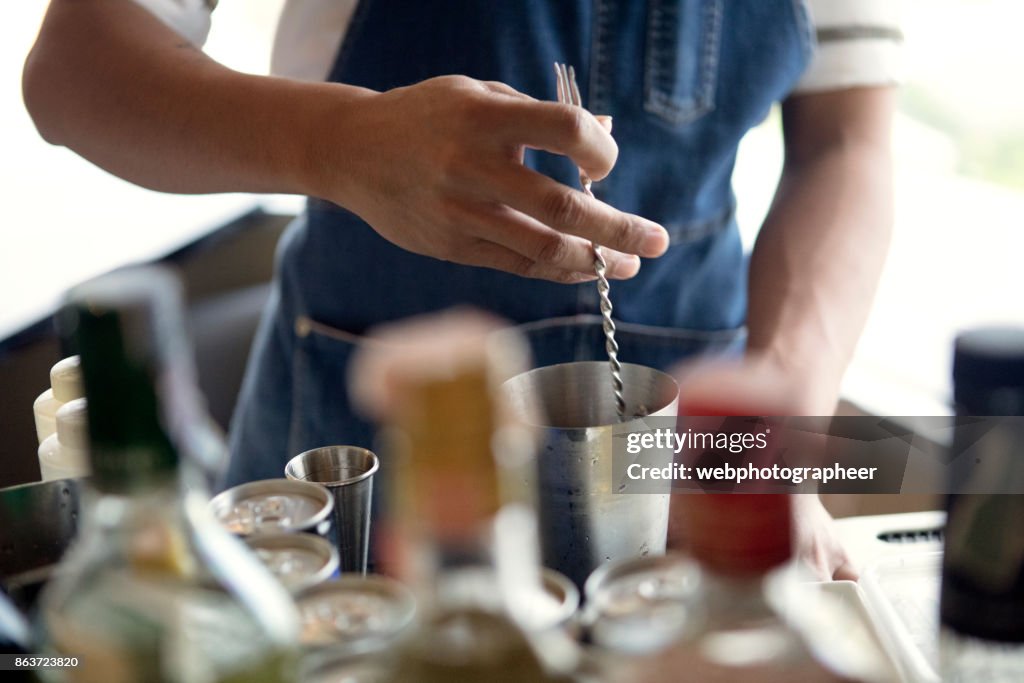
{"points": [[66, 379], [988, 371], [72, 426], [44, 408]]}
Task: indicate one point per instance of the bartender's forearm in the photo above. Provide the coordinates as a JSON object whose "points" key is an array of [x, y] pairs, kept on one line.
{"points": [[818, 258], [114, 84], [435, 168]]}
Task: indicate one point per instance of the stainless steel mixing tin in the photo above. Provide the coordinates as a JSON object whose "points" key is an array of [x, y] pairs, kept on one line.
{"points": [[584, 520]]}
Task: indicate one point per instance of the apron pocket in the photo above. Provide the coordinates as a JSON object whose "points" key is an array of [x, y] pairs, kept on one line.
{"points": [[681, 64]]}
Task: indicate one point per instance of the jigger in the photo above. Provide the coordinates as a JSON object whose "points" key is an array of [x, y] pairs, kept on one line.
{"points": [[347, 472]]}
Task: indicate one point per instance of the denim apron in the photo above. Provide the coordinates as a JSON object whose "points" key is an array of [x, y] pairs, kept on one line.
{"points": [[684, 81]]}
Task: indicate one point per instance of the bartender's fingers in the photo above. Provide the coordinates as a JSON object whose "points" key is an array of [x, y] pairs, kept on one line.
{"points": [[526, 236], [492, 255], [557, 128], [847, 571], [573, 212], [499, 87]]}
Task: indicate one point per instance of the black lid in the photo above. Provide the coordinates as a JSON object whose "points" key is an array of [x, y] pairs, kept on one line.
{"points": [[127, 326], [988, 371]]}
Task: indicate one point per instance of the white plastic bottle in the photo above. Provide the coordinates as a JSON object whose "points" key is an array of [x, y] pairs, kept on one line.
{"points": [[64, 454], [153, 588], [65, 385]]}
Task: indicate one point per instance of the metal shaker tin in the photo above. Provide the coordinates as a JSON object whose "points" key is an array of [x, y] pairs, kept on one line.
{"points": [[299, 561], [275, 505], [639, 605], [354, 609]]}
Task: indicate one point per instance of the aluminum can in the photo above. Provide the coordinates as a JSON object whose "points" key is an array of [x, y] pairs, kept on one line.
{"points": [[366, 609], [359, 662], [639, 605], [299, 561], [275, 505]]}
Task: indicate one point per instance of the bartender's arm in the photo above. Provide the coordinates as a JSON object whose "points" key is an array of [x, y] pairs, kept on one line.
{"points": [[819, 255], [814, 271], [435, 168]]}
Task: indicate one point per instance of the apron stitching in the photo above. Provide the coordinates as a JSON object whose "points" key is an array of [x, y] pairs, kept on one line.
{"points": [[600, 63], [304, 326], [666, 333], [709, 77]]}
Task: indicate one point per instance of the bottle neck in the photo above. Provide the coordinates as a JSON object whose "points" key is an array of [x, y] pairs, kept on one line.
{"points": [[149, 516], [124, 512], [464, 541], [449, 571]]}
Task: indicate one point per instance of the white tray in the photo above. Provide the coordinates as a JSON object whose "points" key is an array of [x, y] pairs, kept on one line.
{"points": [[903, 592]]}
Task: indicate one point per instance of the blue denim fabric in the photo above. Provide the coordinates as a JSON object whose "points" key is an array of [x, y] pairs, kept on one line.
{"points": [[684, 81]]}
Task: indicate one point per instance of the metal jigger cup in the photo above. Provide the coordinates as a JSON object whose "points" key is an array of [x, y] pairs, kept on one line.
{"points": [[347, 472]]}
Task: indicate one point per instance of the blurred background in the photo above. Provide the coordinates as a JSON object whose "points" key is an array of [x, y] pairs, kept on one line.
{"points": [[959, 151]]}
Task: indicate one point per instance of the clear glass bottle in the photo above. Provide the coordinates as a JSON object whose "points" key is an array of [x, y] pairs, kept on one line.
{"points": [[461, 529], [981, 634], [750, 616], [153, 589]]}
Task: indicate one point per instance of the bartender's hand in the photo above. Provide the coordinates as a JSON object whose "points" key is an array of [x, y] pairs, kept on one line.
{"points": [[438, 170], [759, 380], [435, 167]]}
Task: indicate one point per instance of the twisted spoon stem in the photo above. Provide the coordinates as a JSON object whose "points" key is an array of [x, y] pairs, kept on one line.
{"points": [[611, 347], [569, 93]]}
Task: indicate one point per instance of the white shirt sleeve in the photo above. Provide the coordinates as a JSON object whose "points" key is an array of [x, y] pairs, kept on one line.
{"points": [[859, 43], [190, 18], [309, 34]]}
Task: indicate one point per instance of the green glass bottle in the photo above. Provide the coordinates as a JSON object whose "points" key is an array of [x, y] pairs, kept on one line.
{"points": [[154, 589]]}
